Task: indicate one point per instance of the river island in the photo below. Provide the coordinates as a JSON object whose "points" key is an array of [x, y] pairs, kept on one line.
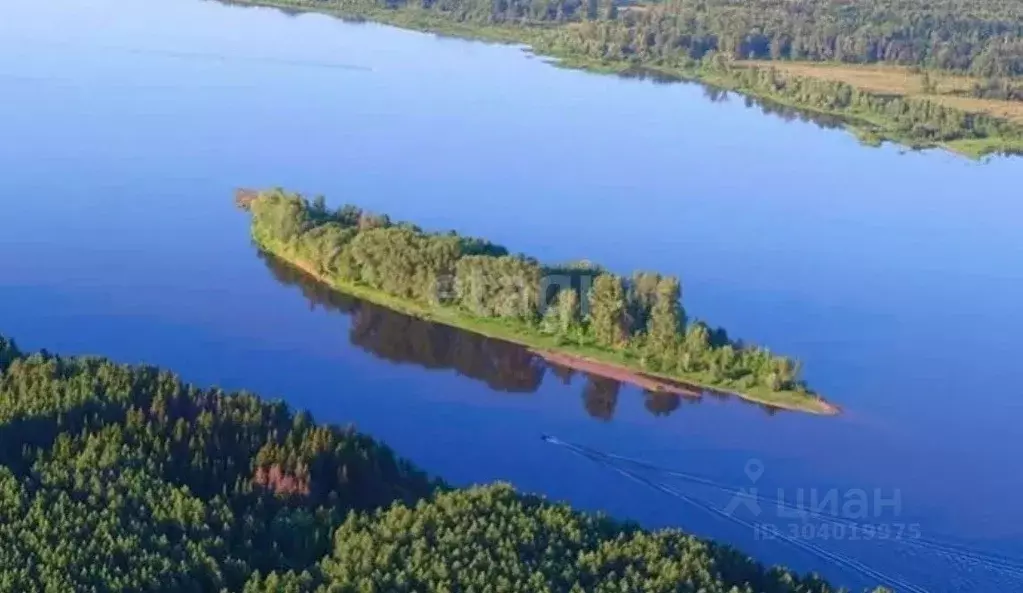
{"points": [[633, 329]]}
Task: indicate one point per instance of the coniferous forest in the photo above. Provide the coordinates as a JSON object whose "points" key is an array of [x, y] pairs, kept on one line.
{"points": [[124, 478], [638, 321], [735, 44]]}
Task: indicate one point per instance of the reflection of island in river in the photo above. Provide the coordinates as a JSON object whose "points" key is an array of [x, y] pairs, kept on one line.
{"points": [[503, 366]]}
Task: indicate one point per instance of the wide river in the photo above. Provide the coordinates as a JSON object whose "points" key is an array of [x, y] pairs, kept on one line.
{"points": [[896, 277]]}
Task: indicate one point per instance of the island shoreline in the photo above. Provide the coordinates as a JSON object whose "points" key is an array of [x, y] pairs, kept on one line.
{"points": [[578, 358]]}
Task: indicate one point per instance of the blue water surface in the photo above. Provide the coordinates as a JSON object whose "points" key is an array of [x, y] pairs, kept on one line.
{"points": [[895, 277]]}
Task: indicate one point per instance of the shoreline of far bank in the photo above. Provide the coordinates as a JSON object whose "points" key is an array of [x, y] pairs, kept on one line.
{"points": [[872, 128], [606, 363]]}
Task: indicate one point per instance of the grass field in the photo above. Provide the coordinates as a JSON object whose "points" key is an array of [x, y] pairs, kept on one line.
{"points": [[950, 90]]}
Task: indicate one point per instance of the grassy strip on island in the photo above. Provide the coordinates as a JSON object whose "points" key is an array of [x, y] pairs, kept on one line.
{"points": [[960, 84], [578, 311], [124, 478]]}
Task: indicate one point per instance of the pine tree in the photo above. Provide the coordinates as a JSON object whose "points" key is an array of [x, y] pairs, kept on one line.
{"points": [[563, 315], [642, 296], [607, 310], [665, 323], [568, 309]]}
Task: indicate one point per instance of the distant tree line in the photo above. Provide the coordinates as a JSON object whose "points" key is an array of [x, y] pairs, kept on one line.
{"points": [[1004, 89], [982, 37], [640, 316], [123, 478], [914, 119]]}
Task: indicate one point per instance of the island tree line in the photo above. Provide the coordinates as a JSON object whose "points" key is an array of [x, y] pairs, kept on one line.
{"points": [[640, 316], [503, 366]]}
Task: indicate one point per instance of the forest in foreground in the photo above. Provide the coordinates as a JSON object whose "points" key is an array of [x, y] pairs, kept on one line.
{"points": [[579, 308], [953, 70], [124, 478]]}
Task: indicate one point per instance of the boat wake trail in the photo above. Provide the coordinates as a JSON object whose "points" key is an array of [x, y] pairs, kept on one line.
{"points": [[977, 571]]}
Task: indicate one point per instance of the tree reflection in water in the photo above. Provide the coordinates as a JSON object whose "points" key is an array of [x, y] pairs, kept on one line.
{"points": [[503, 366]]}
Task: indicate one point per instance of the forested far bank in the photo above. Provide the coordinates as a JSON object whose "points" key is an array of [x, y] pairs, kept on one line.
{"points": [[727, 45], [984, 37], [125, 478], [637, 321]]}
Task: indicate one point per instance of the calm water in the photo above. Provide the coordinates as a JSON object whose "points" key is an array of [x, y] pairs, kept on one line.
{"points": [[895, 277]]}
